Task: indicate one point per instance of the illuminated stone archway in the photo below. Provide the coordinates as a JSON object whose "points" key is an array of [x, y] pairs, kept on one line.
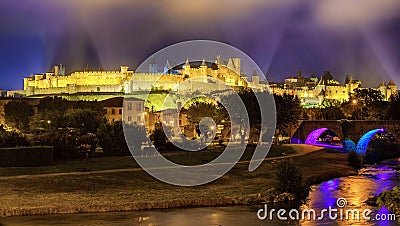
{"points": [[363, 143], [314, 135]]}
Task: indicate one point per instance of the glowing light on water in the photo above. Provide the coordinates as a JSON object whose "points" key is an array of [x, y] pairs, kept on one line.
{"points": [[327, 192]]}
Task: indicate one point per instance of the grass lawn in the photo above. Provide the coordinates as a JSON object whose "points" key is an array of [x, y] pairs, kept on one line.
{"points": [[126, 162], [133, 190]]}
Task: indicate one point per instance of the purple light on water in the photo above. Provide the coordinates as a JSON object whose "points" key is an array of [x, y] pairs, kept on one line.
{"points": [[327, 189], [384, 211], [331, 185], [384, 168], [385, 176]]}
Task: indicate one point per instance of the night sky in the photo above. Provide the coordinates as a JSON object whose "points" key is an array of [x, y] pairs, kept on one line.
{"points": [[358, 37]]}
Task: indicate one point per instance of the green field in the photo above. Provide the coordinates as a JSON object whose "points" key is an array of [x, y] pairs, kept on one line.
{"points": [[51, 189]]}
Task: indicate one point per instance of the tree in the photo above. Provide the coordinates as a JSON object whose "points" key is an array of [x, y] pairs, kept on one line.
{"points": [[290, 180], [329, 113], [69, 126], [50, 104], [18, 114], [367, 96], [64, 141], [366, 104], [61, 113], [377, 110], [288, 110], [112, 139], [198, 110], [159, 136], [394, 108], [86, 120], [252, 110]]}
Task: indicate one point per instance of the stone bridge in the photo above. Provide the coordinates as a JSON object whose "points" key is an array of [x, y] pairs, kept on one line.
{"points": [[353, 129]]}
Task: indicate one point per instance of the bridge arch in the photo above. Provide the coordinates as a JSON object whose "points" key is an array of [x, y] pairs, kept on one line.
{"points": [[364, 141], [313, 137]]}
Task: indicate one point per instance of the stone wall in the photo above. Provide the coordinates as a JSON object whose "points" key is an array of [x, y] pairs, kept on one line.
{"points": [[352, 129]]}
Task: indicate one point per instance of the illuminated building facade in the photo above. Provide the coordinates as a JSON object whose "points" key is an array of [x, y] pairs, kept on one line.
{"points": [[133, 112], [312, 91], [127, 81]]}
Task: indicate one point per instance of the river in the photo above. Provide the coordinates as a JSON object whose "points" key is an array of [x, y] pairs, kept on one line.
{"points": [[355, 189]]}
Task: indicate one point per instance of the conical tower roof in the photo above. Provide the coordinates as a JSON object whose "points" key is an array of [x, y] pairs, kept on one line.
{"points": [[187, 64], [203, 64], [255, 73]]}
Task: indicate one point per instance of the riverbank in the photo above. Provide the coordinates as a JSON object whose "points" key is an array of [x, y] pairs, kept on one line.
{"points": [[133, 189]]}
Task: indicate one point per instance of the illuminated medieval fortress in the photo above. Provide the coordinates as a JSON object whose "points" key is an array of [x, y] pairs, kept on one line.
{"points": [[312, 92], [126, 81]]}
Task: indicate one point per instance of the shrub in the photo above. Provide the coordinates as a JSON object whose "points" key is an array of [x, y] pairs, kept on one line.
{"points": [[64, 142], [12, 139], [159, 137], [355, 160], [26, 156], [112, 140], [390, 199], [290, 180]]}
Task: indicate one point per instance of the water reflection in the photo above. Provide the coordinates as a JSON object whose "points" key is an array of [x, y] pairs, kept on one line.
{"points": [[213, 216], [356, 190]]}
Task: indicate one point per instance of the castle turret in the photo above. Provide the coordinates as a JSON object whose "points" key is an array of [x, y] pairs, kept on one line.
{"points": [[234, 64], [186, 66], [203, 64], [321, 97], [383, 89], [56, 70], [153, 67], [255, 78], [124, 69], [61, 70], [391, 89], [203, 69], [218, 60]]}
